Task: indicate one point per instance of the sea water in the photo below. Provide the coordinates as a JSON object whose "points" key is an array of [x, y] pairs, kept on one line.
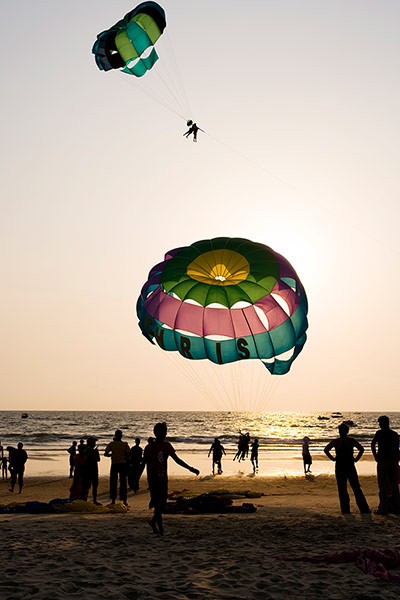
{"points": [[47, 435]]}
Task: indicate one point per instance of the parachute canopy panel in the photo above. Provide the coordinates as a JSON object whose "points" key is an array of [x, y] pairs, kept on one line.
{"points": [[129, 44], [226, 299]]}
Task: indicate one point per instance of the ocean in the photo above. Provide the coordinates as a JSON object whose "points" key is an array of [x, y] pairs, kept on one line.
{"points": [[47, 435]]}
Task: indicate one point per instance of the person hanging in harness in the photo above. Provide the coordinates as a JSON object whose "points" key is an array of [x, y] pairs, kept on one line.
{"points": [[193, 128]]}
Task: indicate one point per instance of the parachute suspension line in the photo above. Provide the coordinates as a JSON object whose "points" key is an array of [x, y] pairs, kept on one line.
{"points": [[173, 93], [306, 196], [178, 73], [193, 378], [211, 374], [150, 94]]}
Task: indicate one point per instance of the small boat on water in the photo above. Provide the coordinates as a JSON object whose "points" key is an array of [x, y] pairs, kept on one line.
{"points": [[24, 416], [323, 418]]}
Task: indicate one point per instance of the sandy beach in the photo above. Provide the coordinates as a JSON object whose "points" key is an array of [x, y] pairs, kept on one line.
{"points": [[200, 556]]}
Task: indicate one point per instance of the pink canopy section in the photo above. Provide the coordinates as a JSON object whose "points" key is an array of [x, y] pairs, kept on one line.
{"points": [[231, 323]]}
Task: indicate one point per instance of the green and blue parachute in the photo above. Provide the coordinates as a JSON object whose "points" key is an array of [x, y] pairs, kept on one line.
{"points": [[129, 44]]}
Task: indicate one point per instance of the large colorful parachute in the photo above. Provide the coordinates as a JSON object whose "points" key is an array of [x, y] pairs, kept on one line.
{"points": [[226, 299], [126, 45]]}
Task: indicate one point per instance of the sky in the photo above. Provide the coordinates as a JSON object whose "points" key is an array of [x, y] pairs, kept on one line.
{"points": [[300, 104]]}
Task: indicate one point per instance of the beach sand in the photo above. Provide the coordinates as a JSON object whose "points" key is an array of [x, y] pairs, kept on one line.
{"points": [[200, 556]]}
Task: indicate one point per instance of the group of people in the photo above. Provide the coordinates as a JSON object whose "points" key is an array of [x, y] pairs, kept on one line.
{"points": [[125, 465], [385, 450], [15, 463], [217, 450]]}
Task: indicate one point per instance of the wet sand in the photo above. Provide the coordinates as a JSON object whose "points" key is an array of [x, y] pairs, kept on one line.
{"points": [[200, 556]]}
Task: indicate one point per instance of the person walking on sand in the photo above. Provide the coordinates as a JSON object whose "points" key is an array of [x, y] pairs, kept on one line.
{"points": [[18, 459], [345, 469], [254, 455], [72, 453], [217, 450], [307, 460], [91, 468], [387, 459], [155, 457], [134, 462], [118, 450]]}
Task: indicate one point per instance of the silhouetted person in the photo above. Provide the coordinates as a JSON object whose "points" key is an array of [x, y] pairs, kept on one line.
{"points": [[150, 440], [78, 490], [18, 459], [193, 129], [307, 460], [72, 450], [254, 455], [1, 451], [345, 469], [155, 457], [217, 450], [118, 450], [387, 458], [81, 445], [91, 468], [134, 461], [4, 461], [243, 446]]}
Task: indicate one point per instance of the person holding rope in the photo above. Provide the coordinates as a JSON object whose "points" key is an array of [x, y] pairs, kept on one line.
{"points": [[193, 129]]}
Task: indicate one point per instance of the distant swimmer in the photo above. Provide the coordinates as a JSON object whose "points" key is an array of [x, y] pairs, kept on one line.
{"points": [[155, 458], [307, 460], [217, 450], [193, 129]]}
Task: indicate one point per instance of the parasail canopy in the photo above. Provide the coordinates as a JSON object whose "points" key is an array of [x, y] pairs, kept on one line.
{"points": [[129, 44], [226, 299]]}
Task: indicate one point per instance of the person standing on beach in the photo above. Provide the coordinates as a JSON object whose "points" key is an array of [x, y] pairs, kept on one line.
{"points": [[254, 455], [72, 453], [90, 467], [217, 450], [387, 458], [134, 465], [345, 469], [155, 458], [18, 459], [118, 450], [307, 460]]}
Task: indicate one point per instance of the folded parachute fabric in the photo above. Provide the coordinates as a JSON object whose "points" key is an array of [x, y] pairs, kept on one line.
{"points": [[207, 503], [61, 506], [371, 561]]}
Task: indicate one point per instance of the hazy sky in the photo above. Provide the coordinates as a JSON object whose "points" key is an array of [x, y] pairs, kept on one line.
{"points": [[300, 101]]}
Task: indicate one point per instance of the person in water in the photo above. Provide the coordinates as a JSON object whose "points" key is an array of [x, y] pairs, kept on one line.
{"points": [[72, 453], [118, 450], [307, 460], [254, 455], [134, 461], [193, 129], [155, 458], [18, 459], [345, 469], [217, 450], [387, 459], [91, 468]]}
